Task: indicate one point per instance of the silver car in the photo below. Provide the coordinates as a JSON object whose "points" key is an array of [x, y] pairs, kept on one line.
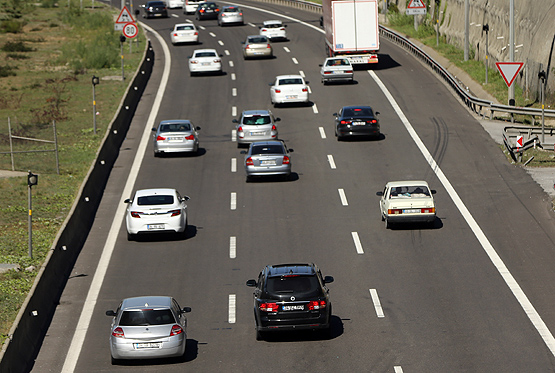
{"points": [[230, 14], [256, 125], [268, 158], [147, 328], [174, 136], [336, 68], [257, 46]]}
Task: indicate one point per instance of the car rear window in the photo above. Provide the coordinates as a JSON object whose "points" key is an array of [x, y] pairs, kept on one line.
{"points": [[175, 127], [231, 9], [267, 149], [147, 317], [186, 27], [290, 81], [258, 39], [205, 54], [292, 284], [273, 25], [409, 192], [363, 112], [257, 120], [155, 200]]}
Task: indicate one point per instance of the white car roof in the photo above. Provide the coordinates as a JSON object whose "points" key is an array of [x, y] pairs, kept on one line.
{"points": [[393, 184], [184, 24], [272, 22], [154, 191], [205, 50], [288, 76]]}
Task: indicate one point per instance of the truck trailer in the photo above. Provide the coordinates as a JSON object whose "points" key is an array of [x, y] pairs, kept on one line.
{"points": [[351, 28]]}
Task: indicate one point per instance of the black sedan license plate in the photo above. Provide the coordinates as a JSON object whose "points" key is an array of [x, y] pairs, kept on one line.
{"points": [[293, 308], [359, 123]]}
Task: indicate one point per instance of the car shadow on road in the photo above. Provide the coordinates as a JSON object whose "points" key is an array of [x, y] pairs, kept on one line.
{"points": [[274, 178], [189, 233], [191, 353], [336, 330], [437, 224], [359, 138], [385, 62], [200, 152]]}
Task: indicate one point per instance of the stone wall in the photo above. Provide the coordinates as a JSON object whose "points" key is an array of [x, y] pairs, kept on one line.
{"points": [[534, 33]]}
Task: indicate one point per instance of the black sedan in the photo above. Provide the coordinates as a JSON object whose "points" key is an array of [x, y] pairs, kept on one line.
{"points": [[356, 121], [207, 10], [155, 9], [291, 297]]}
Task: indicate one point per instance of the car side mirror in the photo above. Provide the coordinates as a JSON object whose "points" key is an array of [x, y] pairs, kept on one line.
{"points": [[186, 309], [251, 283], [284, 25], [291, 150], [197, 128], [377, 112], [434, 191], [235, 121], [277, 119], [242, 42], [128, 200], [186, 198], [320, 65], [271, 84], [334, 114], [221, 55], [154, 129], [306, 82], [110, 313], [243, 152], [328, 279], [379, 194]]}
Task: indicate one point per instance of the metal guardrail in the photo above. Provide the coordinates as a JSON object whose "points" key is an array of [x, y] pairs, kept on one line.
{"points": [[478, 105]]}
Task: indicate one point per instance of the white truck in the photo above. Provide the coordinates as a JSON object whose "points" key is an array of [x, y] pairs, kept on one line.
{"points": [[351, 28]]}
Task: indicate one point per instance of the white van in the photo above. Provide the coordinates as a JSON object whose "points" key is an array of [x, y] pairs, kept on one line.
{"points": [[191, 6]]}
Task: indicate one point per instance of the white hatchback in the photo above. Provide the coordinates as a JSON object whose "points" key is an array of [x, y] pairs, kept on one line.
{"points": [[289, 89], [184, 33], [205, 61], [156, 211], [273, 30]]}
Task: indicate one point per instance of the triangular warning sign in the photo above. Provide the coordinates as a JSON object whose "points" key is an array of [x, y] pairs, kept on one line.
{"points": [[509, 70], [125, 16], [416, 4]]}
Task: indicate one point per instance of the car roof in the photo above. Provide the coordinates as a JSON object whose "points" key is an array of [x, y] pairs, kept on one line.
{"points": [[170, 121], [184, 24], [271, 142], [291, 269], [272, 22], [153, 301], [406, 183], [226, 7], [154, 191], [288, 76], [246, 113], [357, 107]]}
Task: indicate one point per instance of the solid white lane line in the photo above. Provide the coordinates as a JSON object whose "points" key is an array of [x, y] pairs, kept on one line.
{"points": [[515, 288], [287, 49], [234, 91], [232, 247], [295, 61], [233, 135], [398, 369], [301, 73], [226, 52], [377, 304], [230, 63], [233, 77], [233, 202], [331, 161], [358, 245], [314, 108], [343, 197], [220, 42], [232, 303], [322, 132], [234, 111], [100, 272], [233, 164]]}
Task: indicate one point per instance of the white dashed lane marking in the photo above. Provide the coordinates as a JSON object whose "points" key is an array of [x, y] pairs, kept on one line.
{"points": [[322, 132], [226, 52], [314, 108], [233, 202], [233, 164], [230, 63], [301, 73], [233, 135], [343, 197], [286, 49], [212, 34], [234, 111], [358, 245], [220, 42], [233, 76], [234, 92], [331, 161], [232, 247], [232, 303], [295, 61], [377, 304]]}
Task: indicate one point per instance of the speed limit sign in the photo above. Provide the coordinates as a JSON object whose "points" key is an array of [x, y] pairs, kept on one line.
{"points": [[130, 30]]}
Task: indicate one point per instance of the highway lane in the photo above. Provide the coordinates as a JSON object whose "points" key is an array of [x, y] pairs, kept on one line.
{"points": [[445, 307]]}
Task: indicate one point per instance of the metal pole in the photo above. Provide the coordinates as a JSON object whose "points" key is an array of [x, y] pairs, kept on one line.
{"points": [[487, 55], [94, 110], [512, 50], [56, 147], [30, 225], [466, 27], [543, 113], [121, 50], [11, 142], [436, 8]]}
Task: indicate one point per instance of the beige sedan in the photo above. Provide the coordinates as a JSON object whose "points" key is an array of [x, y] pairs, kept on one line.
{"points": [[257, 46]]}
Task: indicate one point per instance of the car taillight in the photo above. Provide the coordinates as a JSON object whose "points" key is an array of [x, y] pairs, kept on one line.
{"points": [[316, 304], [282, 29], [428, 210], [249, 162], [175, 212], [217, 10], [196, 33], [285, 160], [268, 307], [223, 14], [327, 72], [349, 71], [118, 332], [136, 214], [264, 29], [274, 128], [160, 138], [175, 34], [278, 90], [394, 211], [201, 11], [190, 137], [240, 129], [176, 329], [373, 121], [217, 60], [345, 122], [268, 46], [193, 61], [305, 89], [240, 14]]}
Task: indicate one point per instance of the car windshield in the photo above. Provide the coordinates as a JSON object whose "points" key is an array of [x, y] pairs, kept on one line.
{"points": [[267, 149], [257, 39], [205, 54], [257, 120], [155, 200], [185, 27], [290, 81], [409, 192], [292, 284], [146, 317], [175, 127], [358, 112]]}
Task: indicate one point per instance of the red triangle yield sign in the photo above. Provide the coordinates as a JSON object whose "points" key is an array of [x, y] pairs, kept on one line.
{"points": [[509, 70], [416, 4], [125, 16]]}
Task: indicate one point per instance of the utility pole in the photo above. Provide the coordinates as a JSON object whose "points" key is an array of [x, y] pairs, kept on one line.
{"points": [[466, 27], [512, 49]]}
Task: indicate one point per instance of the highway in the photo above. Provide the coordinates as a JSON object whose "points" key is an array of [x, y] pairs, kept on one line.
{"points": [[404, 300]]}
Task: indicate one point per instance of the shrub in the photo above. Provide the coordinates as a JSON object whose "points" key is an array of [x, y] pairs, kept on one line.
{"points": [[7, 71], [16, 46], [11, 26]]}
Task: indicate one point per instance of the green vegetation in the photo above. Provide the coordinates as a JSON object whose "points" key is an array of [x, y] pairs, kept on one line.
{"points": [[49, 54]]}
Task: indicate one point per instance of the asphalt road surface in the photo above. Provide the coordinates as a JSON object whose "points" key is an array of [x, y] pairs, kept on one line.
{"points": [[473, 294]]}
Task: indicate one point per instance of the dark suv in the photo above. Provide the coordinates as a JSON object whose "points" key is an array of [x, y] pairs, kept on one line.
{"points": [[291, 297]]}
